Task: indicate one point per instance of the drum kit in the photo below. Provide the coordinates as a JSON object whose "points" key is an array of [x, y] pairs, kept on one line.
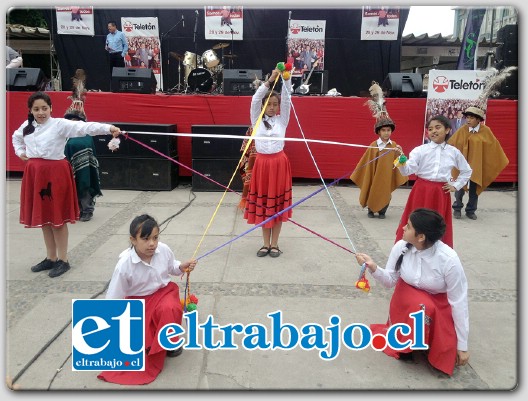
{"points": [[202, 73]]}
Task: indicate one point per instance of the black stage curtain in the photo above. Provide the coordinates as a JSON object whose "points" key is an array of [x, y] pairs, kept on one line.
{"points": [[351, 62]]}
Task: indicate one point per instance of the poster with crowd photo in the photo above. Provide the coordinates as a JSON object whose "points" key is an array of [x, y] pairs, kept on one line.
{"points": [[306, 45], [380, 23], [450, 92], [143, 44], [224, 22], [75, 20]]}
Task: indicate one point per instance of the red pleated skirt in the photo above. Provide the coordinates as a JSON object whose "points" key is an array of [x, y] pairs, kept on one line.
{"points": [[430, 195], [440, 334], [48, 195], [270, 189], [161, 308]]}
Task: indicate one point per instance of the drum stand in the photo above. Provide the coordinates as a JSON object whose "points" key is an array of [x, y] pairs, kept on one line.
{"points": [[180, 87]]}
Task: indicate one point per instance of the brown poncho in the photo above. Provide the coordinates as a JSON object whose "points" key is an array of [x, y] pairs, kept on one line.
{"points": [[377, 179], [483, 152]]}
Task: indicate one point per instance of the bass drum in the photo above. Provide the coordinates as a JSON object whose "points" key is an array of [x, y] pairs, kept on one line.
{"points": [[200, 80]]}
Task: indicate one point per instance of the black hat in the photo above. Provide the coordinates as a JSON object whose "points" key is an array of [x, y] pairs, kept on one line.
{"points": [[384, 122], [72, 114]]}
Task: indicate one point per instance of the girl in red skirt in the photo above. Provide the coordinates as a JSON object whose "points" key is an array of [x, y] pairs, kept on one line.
{"points": [[48, 195], [143, 272], [428, 276], [433, 162], [270, 189]]}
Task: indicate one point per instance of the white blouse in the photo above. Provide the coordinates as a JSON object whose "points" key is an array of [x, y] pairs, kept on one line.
{"points": [[435, 270], [133, 277], [434, 162], [278, 122], [48, 139]]}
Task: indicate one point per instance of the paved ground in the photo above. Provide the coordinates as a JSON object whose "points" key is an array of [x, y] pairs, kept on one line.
{"points": [[312, 280]]}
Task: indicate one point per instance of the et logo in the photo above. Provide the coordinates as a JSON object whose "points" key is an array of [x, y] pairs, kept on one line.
{"points": [[108, 334]]}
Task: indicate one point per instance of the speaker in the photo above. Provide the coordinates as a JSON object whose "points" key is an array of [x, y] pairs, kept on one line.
{"points": [[153, 174], [138, 173], [296, 82], [165, 144], [114, 173], [25, 79], [509, 88], [133, 80], [219, 170], [101, 146], [403, 85], [508, 34], [506, 55], [318, 82], [217, 148], [240, 82]]}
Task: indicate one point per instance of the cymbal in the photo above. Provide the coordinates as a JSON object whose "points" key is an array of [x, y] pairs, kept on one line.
{"points": [[220, 46], [230, 56], [175, 55]]}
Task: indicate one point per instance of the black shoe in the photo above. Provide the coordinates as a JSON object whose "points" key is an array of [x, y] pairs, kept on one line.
{"points": [[381, 215], [46, 264], [471, 216], [370, 215], [457, 214], [406, 356], [86, 216], [175, 353], [61, 267], [275, 252], [263, 251]]}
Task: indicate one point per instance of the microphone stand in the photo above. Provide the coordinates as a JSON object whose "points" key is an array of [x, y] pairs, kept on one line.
{"points": [[231, 60], [163, 36], [195, 47]]}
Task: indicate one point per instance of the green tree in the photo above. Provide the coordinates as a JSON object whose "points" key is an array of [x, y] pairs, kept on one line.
{"points": [[26, 16]]}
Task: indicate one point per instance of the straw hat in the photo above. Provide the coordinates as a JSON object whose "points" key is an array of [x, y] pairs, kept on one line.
{"points": [[474, 111]]}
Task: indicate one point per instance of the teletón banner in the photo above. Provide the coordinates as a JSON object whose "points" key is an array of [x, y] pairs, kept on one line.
{"points": [[306, 45], [450, 92], [75, 20], [143, 44]]}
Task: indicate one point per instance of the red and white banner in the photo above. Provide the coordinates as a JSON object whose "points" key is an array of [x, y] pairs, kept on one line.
{"points": [[450, 92], [75, 20], [380, 23], [143, 44], [224, 22], [306, 45]]}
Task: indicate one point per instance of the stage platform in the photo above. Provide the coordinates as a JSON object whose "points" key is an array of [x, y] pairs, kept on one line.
{"points": [[338, 119]]}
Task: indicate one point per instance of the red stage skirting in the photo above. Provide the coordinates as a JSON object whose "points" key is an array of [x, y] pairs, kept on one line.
{"points": [[326, 118]]}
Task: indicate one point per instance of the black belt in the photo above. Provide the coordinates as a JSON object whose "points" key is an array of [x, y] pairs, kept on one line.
{"points": [[115, 52]]}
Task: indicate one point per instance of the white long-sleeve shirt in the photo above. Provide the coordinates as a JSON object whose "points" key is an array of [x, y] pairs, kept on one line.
{"points": [[133, 277], [435, 270], [278, 122], [48, 139], [434, 162]]}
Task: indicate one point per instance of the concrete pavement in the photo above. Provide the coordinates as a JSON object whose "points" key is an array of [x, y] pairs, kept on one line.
{"points": [[309, 282]]}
